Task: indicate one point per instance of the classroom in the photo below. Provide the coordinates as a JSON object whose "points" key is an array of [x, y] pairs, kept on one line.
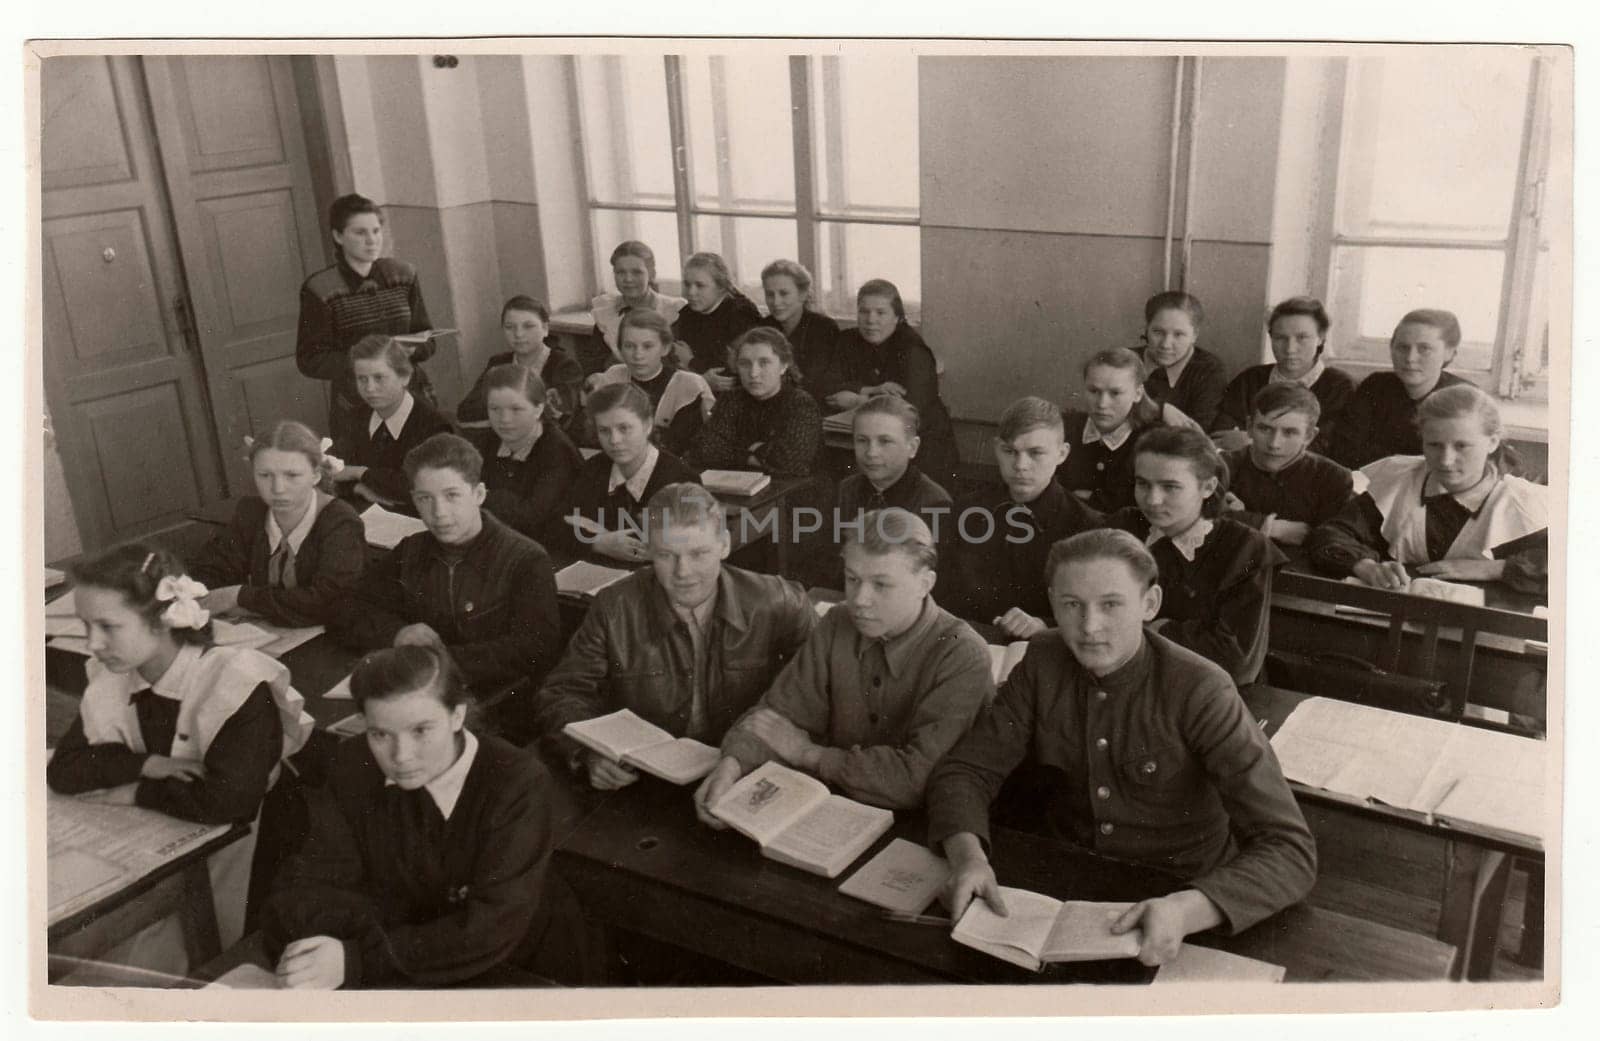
{"points": [[736, 513]]}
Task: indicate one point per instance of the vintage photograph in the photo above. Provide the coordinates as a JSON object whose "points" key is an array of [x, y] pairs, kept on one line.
{"points": [[596, 523]]}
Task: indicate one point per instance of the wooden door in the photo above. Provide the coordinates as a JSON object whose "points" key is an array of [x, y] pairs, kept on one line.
{"points": [[234, 153], [124, 385]]}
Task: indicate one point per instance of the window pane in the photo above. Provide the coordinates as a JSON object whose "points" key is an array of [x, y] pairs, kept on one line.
{"points": [[865, 118], [1433, 143], [849, 254], [626, 135], [1373, 287], [659, 231], [1533, 362], [741, 137], [748, 244]]}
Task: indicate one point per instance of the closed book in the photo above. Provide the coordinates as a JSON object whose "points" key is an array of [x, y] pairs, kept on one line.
{"points": [[734, 482]]}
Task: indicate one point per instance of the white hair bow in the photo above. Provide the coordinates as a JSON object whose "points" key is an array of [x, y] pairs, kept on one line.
{"points": [[184, 611], [331, 464]]}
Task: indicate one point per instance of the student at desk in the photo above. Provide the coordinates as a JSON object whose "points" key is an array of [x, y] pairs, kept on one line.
{"points": [[427, 863], [680, 400], [1133, 747], [885, 435], [688, 644], [1099, 470], [1456, 512], [1276, 484], [884, 686], [790, 310], [1181, 373], [529, 464], [373, 440], [1382, 418], [717, 315], [525, 324], [293, 553], [633, 269], [767, 423]]}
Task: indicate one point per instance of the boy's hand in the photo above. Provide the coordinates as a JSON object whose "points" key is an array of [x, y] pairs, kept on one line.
{"points": [[621, 545], [1165, 921], [1288, 532], [793, 745], [608, 776], [1382, 574], [1019, 624], [971, 877], [314, 963], [724, 776]]}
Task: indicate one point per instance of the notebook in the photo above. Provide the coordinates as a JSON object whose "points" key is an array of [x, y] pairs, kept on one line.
{"points": [[385, 528], [902, 877], [623, 737], [585, 579], [734, 482], [796, 821], [1038, 929]]}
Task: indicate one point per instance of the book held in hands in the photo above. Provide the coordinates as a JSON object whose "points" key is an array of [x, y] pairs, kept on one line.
{"points": [[797, 821], [623, 737], [1038, 930]]}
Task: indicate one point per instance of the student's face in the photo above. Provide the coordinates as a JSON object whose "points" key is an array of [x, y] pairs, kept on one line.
{"points": [[361, 240], [883, 592], [1457, 451], [119, 636], [413, 736], [623, 436], [1028, 461], [875, 318], [784, 299], [701, 290], [1419, 355], [1295, 344], [448, 505], [883, 448], [1277, 440], [1168, 492], [760, 370], [632, 278], [641, 351], [512, 417], [379, 385], [1100, 608], [524, 332], [284, 480], [1170, 336], [1111, 395], [687, 559]]}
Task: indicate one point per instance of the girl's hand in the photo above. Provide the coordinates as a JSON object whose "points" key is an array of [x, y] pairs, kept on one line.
{"points": [[1465, 570], [720, 381], [886, 387], [621, 545], [1228, 440], [221, 601], [682, 353], [349, 474], [162, 767], [1290, 533], [1231, 503], [1384, 574], [314, 963], [844, 399]]}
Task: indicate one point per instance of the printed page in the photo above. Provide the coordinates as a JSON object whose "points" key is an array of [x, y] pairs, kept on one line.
{"points": [[831, 836], [1195, 964], [679, 761], [1439, 589], [1025, 928], [1082, 932], [768, 800], [616, 734], [586, 579], [339, 691], [386, 529], [902, 877], [1003, 659], [77, 878], [1489, 778], [1385, 755]]}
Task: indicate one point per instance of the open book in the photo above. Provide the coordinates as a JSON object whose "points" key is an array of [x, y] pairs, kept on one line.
{"points": [[797, 822], [1038, 930], [902, 877], [585, 579], [625, 738], [1432, 588], [385, 528], [1003, 659], [734, 482]]}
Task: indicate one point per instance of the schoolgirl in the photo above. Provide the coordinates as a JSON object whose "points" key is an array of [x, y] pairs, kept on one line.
{"points": [[525, 324], [1101, 436], [373, 440], [681, 400], [716, 315], [769, 423], [1180, 372], [1298, 328], [528, 463], [633, 268]]}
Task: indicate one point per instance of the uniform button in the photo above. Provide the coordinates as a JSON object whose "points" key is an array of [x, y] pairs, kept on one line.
{"points": [[1149, 766], [1099, 466], [1102, 792], [1107, 828], [1101, 743], [1099, 695]]}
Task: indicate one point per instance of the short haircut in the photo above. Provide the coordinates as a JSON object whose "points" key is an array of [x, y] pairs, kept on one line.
{"points": [[891, 405], [346, 207], [1175, 300], [1197, 450], [445, 452], [1116, 358], [1308, 306], [394, 671], [512, 376], [1445, 321], [135, 569], [1103, 544], [520, 302], [644, 318], [622, 395], [1287, 397], [885, 288], [683, 505], [894, 530], [377, 347], [1028, 414], [792, 269]]}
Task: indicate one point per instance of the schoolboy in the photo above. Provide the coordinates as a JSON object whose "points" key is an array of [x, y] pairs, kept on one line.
{"points": [[885, 434], [884, 686], [1139, 750], [1283, 487]]}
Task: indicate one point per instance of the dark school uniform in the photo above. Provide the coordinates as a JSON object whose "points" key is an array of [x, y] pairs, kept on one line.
{"points": [[787, 426], [338, 307], [1381, 420], [1106, 473], [592, 497], [1158, 763], [560, 373], [358, 443], [708, 335], [528, 492], [1198, 393], [1309, 490], [914, 492], [679, 400], [812, 340], [1334, 390]]}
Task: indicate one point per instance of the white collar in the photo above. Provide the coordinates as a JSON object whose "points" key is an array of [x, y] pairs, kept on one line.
{"points": [[1187, 543], [1113, 440], [520, 456], [641, 476], [1312, 375], [1473, 498], [297, 537], [446, 788], [396, 422], [171, 683]]}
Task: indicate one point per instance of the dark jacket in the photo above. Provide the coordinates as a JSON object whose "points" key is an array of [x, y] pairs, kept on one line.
{"points": [[904, 358], [1381, 421], [1105, 473], [812, 341], [560, 373], [1309, 490], [788, 426], [385, 462], [589, 497], [339, 307], [1334, 390], [708, 335], [531, 493], [1198, 394]]}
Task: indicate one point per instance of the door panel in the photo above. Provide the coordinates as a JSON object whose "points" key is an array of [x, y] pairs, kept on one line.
{"points": [[141, 487], [87, 281]]}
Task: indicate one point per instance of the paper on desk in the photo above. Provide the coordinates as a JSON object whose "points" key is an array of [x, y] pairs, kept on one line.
{"points": [[1195, 964], [248, 976], [586, 579], [53, 577], [226, 634], [55, 625], [385, 528], [339, 691], [285, 639], [351, 725], [63, 606]]}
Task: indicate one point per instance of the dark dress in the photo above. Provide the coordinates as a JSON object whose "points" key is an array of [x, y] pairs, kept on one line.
{"points": [[1106, 473], [382, 453], [708, 335], [812, 340], [560, 373], [529, 493], [1198, 394], [1309, 490], [590, 498], [338, 307], [788, 426], [1334, 390], [1381, 420]]}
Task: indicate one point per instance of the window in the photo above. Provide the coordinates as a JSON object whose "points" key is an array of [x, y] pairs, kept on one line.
{"points": [[814, 159], [1441, 168]]}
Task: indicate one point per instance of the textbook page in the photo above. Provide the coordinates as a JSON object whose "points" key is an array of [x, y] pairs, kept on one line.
{"points": [[829, 838], [902, 877], [339, 691], [1360, 751], [586, 579], [1196, 964], [679, 761], [1003, 659], [1020, 936], [1487, 778], [1082, 932], [616, 734], [770, 798], [386, 529]]}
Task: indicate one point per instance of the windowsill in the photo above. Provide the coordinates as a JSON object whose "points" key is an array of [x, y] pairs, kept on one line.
{"points": [[581, 323]]}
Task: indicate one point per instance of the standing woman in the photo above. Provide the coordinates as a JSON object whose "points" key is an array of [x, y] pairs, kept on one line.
{"points": [[361, 294], [790, 310], [293, 552], [1181, 373], [716, 315], [1298, 328], [525, 324], [633, 268], [528, 463], [884, 355], [769, 423], [1382, 418]]}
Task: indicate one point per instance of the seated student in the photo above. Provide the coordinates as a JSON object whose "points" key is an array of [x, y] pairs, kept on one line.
{"points": [[1456, 513], [525, 323], [996, 548], [528, 463], [604, 511], [1216, 574], [1182, 374], [680, 400], [1099, 470], [1139, 749], [469, 584], [633, 268], [768, 423], [688, 643], [1382, 418], [718, 313], [373, 440], [429, 849], [1298, 328], [885, 685], [886, 442], [293, 553], [1275, 483], [790, 310]]}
